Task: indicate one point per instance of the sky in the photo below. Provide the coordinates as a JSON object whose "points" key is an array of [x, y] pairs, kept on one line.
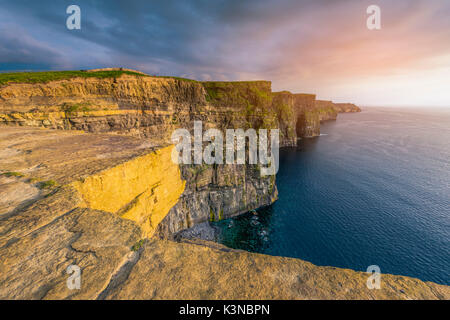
{"points": [[312, 46]]}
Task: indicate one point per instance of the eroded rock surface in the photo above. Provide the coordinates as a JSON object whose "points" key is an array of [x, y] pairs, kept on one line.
{"points": [[204, 270], [59, 227]]}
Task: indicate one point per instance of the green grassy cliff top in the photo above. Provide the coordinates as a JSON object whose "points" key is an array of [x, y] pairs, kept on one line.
{"points": [[47, 76]]}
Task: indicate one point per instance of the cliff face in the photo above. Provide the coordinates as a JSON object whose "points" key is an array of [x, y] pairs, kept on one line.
{"points": [[142, 190], [69, 170], [296, 116], [135, 105], [91, 216], [94, 199], [153, 107], [216, 192], [221, 273], [326, 110]]}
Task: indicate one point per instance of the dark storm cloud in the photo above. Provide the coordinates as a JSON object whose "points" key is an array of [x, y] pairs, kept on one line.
{"points": [[307, 45], [18, 48]]}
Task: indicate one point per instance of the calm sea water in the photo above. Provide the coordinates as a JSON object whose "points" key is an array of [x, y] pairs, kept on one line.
{"points": [[374, 189]]}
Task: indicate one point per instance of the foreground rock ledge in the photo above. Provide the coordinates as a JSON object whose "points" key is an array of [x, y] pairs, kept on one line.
{"points": [[45, 227], [205, 270]]}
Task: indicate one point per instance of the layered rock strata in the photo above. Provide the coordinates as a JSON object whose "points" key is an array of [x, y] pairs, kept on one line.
{"points": [[153, 107]]}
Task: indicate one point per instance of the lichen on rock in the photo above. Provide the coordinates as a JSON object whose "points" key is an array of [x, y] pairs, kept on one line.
{"points": [[115, 192]]}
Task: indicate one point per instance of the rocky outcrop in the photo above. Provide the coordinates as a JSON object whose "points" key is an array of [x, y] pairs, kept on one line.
{"points": [[125, 178], [326, 110], [78, 220], [295, 116], [136, 105], [143, 189], [216, 272], [152, 108]]}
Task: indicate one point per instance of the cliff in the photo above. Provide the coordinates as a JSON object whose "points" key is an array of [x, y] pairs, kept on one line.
{"points": [[126, 102], [346, 107], [86, 199], [326, 110], [100, 191], [152, 108], [136, 104]]}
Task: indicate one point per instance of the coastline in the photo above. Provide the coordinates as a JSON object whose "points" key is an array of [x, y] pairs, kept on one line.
{"points": [[104, 195]]}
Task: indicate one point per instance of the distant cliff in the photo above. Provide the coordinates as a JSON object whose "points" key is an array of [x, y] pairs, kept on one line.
{"points": [[92, 200], [136, 104], [346, 107]]}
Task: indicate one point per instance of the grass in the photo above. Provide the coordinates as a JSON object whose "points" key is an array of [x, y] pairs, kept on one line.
{"points": [[13, 174], [271, 184], [70, 108], [47, 76], [238, 93], [226, 83], [137, 245], [177, 78]]}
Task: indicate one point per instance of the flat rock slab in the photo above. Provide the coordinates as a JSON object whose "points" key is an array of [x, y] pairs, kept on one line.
{"points": [[34, 266], [63, 155], [205, 270]]}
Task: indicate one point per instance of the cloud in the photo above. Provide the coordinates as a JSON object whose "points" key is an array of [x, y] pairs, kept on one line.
{"points": [[299, 45], [19, 48]]}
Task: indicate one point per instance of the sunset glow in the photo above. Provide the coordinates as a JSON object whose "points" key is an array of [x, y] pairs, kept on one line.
{"points": [[321, 47]]}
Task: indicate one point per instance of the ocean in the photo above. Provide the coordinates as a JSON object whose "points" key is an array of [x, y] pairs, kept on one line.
{"points": [[373, 189]]}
